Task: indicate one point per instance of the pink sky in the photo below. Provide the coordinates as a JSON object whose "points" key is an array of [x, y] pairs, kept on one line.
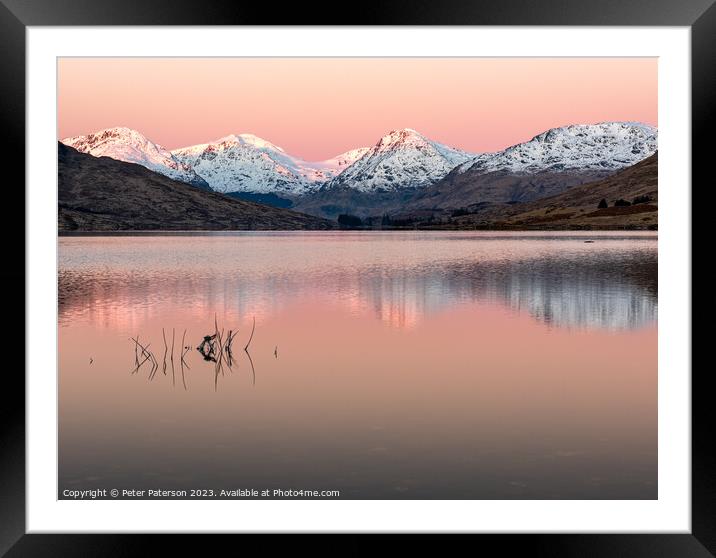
{"points": [[318, 107]]}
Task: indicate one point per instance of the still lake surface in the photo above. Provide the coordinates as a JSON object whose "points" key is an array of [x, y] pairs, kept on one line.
{"points": [[385, 365]]}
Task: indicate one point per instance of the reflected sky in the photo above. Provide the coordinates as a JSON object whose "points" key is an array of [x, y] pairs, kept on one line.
{"points": [[400, 277], [400, 365]]}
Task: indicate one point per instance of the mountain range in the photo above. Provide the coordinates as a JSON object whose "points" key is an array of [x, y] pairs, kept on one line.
{"points": [[103, 194], [403, 173]]}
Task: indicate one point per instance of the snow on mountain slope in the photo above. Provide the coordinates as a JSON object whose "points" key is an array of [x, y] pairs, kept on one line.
{"points": [[130, 146], [340, 162], [322, 171], [606, 146], [401, 159], [247, 163]]}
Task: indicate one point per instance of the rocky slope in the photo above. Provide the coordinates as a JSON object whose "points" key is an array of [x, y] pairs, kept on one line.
{"points": [[578, 206], [547, 165], [130, 146], [103, 194]]}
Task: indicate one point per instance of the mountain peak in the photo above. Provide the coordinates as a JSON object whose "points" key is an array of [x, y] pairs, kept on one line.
{"points": [[128, 145], [605, 146], [400, 135], [248, 139], [260, 143], [599, 129], [402, 158], [108, 134]]}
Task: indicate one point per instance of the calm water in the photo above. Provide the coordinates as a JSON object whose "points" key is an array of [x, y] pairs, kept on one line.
{"points": [[398, 365]]}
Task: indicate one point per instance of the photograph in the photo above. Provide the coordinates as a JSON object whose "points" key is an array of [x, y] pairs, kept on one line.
{"points": [[357, 278]]}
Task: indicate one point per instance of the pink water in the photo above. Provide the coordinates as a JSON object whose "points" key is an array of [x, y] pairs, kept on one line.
{"points": [[383, 365]]}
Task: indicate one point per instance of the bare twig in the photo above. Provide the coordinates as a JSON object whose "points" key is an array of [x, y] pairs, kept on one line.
{"points": [[139, 365], [164, 363], [226, 352], [147, 354], [252, 334], [145, 350], [253, 370], [220, 354], [184, 351], [171, 358], [227, 349]]}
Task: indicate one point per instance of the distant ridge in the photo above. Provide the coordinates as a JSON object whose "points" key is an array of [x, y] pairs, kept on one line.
{"points": [[548, 164], [403, 174], [579, 208], [103, 194]]}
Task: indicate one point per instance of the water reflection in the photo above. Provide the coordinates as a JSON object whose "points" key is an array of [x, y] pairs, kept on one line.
{"points": [[562, 281], [398, 374]]}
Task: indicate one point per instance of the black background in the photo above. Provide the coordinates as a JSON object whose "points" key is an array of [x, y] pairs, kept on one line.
{"points": [[16, 15]]}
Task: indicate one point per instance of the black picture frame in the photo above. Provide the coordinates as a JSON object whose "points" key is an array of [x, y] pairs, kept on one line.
{"points": [[17, 15]]}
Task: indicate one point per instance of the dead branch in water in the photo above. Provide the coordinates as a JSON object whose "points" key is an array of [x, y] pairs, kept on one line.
{"points": [[137, 343], [206, 347], [139, 365], [217, 361], [217, 348], [219, 357], [172, 360], [146, 353], [155, 366], [253, 328], [181, 361], [253, 370], [246, 350], [185, 350], [227, 350], [145, 350], [164, 364]]}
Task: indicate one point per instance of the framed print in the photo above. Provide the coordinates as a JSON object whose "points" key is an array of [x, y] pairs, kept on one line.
{"points": [[428, 273]]}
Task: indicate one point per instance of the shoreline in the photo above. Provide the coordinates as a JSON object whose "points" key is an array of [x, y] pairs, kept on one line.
{"points": [[178, 232]]}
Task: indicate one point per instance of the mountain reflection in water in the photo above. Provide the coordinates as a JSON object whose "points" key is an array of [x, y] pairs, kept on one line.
{"points": [[560, 280], [399, 365]]}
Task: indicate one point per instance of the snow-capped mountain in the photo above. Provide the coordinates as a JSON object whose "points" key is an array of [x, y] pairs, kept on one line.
{"points": [[607, 146], [401, 159], [247, 163], [544, 166], [403, 170], [130, 146]]}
